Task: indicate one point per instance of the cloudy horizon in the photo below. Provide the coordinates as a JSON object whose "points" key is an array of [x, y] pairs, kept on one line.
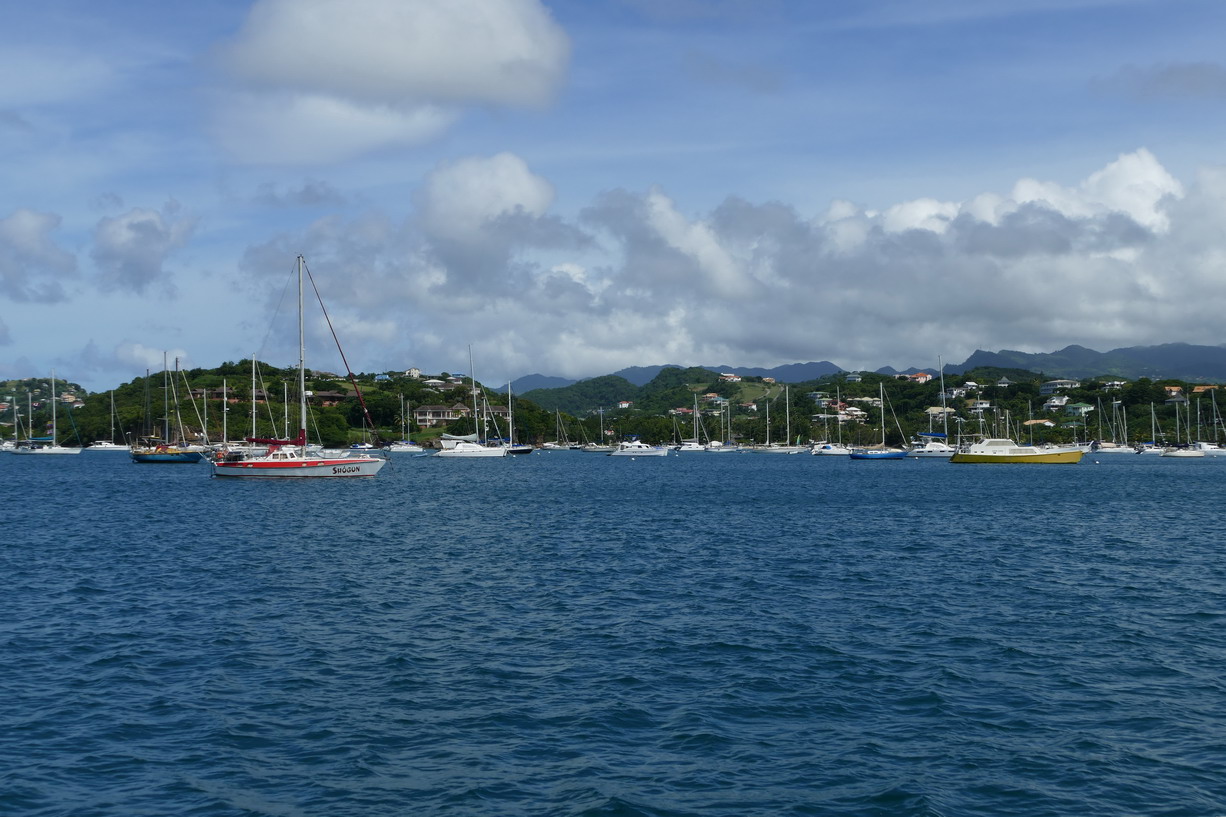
{"points": [[573, 189]]}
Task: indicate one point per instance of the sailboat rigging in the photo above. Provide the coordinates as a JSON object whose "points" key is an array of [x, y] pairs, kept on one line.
{"points": [[290, 457]]}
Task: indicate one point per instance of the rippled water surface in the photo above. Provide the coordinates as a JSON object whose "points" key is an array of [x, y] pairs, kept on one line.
{"points": [[572, 634]]}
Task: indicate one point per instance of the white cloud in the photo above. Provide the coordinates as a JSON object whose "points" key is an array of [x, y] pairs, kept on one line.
{"points": [[32, 266], [131, 250], [374, 73], [639, 281], [313, 128], [460, 199], [134, 356]]}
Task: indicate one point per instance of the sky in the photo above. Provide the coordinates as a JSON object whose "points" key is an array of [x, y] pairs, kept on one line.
{"points": [[570, 187]]}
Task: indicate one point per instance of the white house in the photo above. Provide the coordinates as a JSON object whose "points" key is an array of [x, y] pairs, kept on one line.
{"points": [[1056, 402], [1053, 386]]}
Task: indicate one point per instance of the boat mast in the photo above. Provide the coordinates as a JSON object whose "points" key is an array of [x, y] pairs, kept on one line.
{"points": [[944, 413], [510, 415], [768, 419], [55, 438], [302, 408], [472, 377], [178, 416], [881, 399], [165, 402], [787, 411], [225, 412]]}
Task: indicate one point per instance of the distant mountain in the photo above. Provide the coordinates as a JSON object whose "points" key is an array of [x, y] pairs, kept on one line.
{"points": [[536, 381], [788, 373], [585, 395], [1179, 361], [642, 375]]}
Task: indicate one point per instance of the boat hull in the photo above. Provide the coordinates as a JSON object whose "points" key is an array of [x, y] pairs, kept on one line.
{"points": [[166, 456], [1067, 457], [48, 449], [877, 455], [639, 450], [344, 467], [466, 450]]}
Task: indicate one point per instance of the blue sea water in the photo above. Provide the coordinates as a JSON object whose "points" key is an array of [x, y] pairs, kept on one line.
{"points": [[572, 634]]}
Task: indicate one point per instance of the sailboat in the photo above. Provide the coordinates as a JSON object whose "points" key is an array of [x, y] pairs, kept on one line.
{"points": [[599, 447], [512, 446], [934, 444], [163, 450], [49, 445], [560, 442], [788, 447], [473, 447], [833, 449], [290, 458], [405, 445], [109, 445], [1181, 449], [881, 453]]}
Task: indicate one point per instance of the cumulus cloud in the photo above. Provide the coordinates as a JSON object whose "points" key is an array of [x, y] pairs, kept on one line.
{"points": [[132, 356], [320, 80], [131, 250], [32, 266], [1127, 256], [459, 200]]}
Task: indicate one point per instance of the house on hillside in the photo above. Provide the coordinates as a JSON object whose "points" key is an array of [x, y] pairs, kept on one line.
{"points": [[1053, 386], [1078, 409], [1056, 402], [430, 416]]}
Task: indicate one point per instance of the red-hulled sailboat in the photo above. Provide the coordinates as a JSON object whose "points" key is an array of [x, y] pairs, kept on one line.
{"points": [[289, 458]]}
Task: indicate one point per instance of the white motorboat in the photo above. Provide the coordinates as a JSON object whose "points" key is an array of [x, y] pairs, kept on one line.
{"points": [[463, 449], [931, 446], [638, 448]]}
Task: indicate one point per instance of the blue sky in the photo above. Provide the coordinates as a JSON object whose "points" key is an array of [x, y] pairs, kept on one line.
{"points": [[575, 187]]}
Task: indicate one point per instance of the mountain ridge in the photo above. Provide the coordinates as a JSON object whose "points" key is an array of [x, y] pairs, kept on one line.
{"points": [[1177, 361]]}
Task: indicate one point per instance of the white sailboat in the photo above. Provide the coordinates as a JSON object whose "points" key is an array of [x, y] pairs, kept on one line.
{"points": [[1180, 449], [833, 449], [934, 445], [599, 447], [881, 452], [290, 458], [51, 445], [472, 448], [110, 444], [405, 445]]}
